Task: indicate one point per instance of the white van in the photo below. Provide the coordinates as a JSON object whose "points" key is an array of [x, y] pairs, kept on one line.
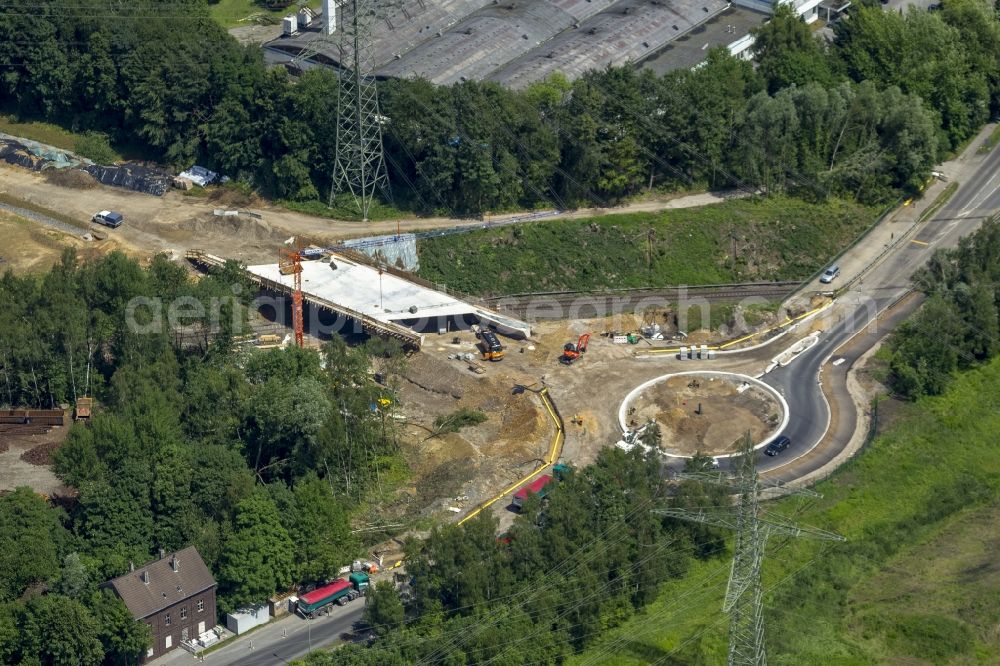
{"points": [[829, 274]]}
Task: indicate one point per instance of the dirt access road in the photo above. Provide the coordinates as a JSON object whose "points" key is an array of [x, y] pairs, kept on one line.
{"points": [[176, 222]]}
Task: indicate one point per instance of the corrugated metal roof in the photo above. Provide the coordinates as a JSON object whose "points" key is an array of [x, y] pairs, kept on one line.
{"points": [[157, 586], [627, 32], [514, 42], [402, 28], [483, 42]]}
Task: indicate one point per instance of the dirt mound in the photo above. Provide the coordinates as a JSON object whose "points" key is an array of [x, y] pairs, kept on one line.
{"points": [[41, 454], [230, 197], [240, 230], [245, 228], [72, 178]]}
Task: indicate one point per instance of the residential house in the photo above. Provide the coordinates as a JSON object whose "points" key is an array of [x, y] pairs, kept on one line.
{"points": [[174, 595]]}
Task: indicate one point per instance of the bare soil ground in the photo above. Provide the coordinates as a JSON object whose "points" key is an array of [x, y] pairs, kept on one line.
{"points": [[726, 414], [20, 464], [462, 469], [479, 461], [177, 222], [29, 247], [255, 34]]}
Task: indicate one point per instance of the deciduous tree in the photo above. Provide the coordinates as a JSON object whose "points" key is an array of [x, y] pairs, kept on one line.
{"points": [[257, 557]]}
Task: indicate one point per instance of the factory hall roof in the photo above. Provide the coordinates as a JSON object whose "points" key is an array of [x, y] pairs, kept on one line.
{"points": [[513, 42], [626, 33]]}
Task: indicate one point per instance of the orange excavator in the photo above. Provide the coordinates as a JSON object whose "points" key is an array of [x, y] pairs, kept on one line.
{"points": [[572, 352]]}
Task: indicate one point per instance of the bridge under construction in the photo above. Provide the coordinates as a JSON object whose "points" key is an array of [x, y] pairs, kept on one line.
{"points": [[383, 301]]}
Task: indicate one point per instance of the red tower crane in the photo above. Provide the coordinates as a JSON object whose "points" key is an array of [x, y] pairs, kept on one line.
{"points": [[290, 263]]}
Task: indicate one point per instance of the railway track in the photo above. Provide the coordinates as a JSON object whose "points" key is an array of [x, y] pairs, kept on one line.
{"points": [[626, 300]]}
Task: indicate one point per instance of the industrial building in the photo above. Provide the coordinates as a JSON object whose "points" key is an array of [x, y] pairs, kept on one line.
{"points": [[519, 42], [628, 32]]}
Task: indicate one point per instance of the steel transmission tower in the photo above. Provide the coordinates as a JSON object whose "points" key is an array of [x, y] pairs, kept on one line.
{"points": [[359, 166], [744, 600]]}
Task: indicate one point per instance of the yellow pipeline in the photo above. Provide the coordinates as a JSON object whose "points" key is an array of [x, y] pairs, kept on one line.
{"points": [[676, 350], [555, 450]]}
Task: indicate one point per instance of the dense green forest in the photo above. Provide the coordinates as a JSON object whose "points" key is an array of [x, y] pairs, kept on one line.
{"points": [[239, 452], [863, 116], [958, 327], [561, 576], [740, 240]]}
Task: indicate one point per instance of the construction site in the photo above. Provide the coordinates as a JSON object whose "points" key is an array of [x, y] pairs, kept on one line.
{"points": [[550, 391], [586, 363], [548, 373], [541, 379]]}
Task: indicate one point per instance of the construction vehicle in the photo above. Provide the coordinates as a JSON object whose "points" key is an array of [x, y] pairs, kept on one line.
{"points": [[340, 592], [572, 352], [539, 486], [84, 408], [359, 581], [490, 345]]}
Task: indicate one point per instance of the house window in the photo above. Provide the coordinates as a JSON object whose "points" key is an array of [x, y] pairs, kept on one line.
{"points": [[149, 652], [184, 612], [166, 619], [168, 642], [201, 605]]}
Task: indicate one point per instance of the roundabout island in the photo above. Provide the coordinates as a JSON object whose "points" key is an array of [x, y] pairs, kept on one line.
{"points": [[705, 412]]}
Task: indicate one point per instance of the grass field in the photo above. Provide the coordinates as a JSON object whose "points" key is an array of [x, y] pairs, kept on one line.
{"points": [[91, 146], [48, 133], [740, 240], [918, 581], [229, 13]]}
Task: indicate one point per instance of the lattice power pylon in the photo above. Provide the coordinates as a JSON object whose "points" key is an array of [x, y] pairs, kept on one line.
{"points": [[359, 166], [744, 600]]}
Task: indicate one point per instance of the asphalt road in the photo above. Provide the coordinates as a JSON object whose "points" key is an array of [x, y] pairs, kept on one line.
{"points": [[279, 642], [881, 287]]}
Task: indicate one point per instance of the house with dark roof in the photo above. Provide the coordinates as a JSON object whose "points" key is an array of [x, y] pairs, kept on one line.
{"points": [[174, 595]]}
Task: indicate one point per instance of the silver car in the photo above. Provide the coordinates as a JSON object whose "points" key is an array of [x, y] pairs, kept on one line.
{"points": [[829, 274]]}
